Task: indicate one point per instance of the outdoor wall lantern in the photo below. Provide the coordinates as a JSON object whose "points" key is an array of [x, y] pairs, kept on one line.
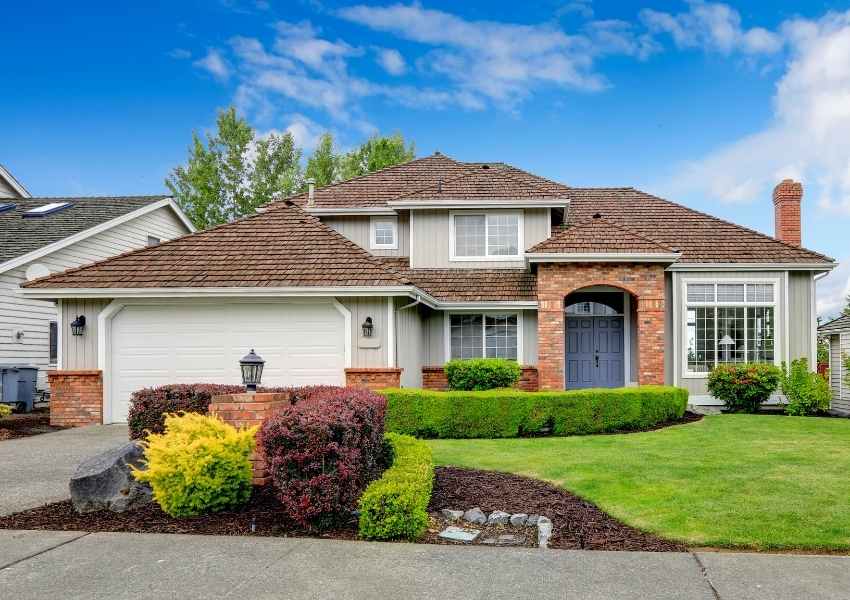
{"points": [[252, 370], [368, 327], [78, 325]]}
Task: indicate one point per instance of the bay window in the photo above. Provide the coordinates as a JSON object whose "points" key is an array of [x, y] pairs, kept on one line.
{"points": [[486, 236], [729, 323], [483, 336]]}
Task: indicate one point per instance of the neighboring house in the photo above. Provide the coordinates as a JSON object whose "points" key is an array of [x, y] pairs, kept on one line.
{"points": [[11, 187], [381, 279], [837, 332], [40, 236]]}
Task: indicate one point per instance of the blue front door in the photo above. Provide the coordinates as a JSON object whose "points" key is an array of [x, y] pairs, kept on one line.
{"points": [[594, 352]]}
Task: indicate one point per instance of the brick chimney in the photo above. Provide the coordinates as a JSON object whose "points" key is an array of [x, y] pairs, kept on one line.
{"points": [[787, 196]]}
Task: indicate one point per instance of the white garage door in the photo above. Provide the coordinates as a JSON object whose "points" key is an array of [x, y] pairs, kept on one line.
{"points": [[301, 342]]}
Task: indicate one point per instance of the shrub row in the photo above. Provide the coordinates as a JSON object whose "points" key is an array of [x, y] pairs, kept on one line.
{"points": [[482, 373], [512, 413], [396, 505], [322, 452]]}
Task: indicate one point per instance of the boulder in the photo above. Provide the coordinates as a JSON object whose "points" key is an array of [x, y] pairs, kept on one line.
{"points": [[519, 519], [452, 515], [498, 517], [475, 515], [105, 482]]}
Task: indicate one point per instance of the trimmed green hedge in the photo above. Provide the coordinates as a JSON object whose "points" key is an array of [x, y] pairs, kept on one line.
{"points": [[396, 505], [510, 413]]}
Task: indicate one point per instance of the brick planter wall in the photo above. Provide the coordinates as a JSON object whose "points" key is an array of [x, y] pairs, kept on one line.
{"points": [[76, 397], [247, 410], [373, 378], [434, 378], [555, 281]]}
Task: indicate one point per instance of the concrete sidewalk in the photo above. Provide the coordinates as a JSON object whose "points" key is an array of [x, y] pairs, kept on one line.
{"points": [[36, 470], [119, 565]]}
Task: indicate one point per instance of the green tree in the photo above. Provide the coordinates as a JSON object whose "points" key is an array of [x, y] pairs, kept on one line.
{"points": [[231, 173], [323, 164], [374, 154], [846, 310]]}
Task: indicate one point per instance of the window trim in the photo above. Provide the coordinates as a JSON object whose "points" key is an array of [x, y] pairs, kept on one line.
{"points": [[53, 337], [488, 258], [779, 346], [447, 331], [373, 221]]}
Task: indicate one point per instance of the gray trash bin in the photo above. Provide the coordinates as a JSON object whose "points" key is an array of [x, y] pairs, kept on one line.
{"points": [[17, 386]]}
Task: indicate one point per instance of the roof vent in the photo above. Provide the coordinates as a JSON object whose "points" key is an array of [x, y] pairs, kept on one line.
{"points": [[485, 166], [597, 216], [6, 206], [440, 185], [47, 209]]}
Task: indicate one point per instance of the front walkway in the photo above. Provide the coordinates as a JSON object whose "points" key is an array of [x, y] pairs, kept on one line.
{"points": [[125, 565], [35, 470]]}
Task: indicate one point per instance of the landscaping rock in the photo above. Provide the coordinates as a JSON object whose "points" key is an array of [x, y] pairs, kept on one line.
{"points": [[498, 517], [105, 482], [519, 519], [452, 515], [531, 521], [475, 515], [544, 532], [459, 534]]}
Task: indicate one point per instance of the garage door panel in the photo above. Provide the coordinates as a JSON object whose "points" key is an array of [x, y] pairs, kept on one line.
{"points": [[151, 345]]}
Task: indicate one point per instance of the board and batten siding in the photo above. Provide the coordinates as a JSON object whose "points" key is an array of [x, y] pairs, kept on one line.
{"points": [[368, 352], [839, 347], [33, 317], [411, 340], [430, 239], [357, 228]]}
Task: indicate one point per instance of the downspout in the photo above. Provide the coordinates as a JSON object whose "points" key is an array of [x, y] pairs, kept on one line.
{"points": [[414, 303]]}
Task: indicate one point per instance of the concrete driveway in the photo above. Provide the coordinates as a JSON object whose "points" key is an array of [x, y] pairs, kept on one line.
{"points": [[35, 470]]}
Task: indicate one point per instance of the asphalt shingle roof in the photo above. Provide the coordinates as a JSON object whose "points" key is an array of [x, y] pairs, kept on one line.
{"points": [[20, 235], [842, 322], [598, 235]]}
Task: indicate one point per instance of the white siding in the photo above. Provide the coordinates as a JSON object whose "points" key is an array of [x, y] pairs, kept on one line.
{"points": [[411, 341], [839, 346], [357, 229], [6, 190], [368, 352], [32, 317]]}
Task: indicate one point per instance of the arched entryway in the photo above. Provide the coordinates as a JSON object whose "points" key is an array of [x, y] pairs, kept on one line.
{"points": [[598, 338]]}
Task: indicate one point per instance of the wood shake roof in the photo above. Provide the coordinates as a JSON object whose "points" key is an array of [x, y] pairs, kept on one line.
{"points": [[598, 236]]}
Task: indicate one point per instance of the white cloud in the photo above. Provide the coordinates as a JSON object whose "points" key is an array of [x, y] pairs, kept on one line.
{"points": [[214, 64], [583, 8], [808, 136], [391, 61], [711, 26], [833, 290], [180, 54], [305, 131]]}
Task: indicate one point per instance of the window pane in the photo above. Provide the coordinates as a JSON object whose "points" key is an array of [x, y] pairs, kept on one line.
{"points": [[700, 333], [466, 336], [760, 341], [730, 292], [384, 233], [500, 332], [700, 292], [470, 238], [759, 292], [730, 334], [502, 235]]}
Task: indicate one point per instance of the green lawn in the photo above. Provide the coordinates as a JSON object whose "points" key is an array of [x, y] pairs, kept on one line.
{"points": [[729, 480]]}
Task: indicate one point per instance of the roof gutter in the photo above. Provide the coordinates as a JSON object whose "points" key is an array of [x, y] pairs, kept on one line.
{"points": [[684, 266]]}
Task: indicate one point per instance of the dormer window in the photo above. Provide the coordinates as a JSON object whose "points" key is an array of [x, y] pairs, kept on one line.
{"points": [[493, 235], [47, 209], [384, 233]]}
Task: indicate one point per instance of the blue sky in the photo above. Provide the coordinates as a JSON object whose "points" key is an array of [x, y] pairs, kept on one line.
{"points": [[708, 104]]}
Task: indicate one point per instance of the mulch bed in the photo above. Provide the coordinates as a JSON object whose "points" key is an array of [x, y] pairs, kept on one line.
{"points": [[25, 425], [577, 523]]}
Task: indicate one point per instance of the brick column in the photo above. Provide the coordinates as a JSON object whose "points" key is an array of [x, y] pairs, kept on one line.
{"points": [[651, 343], [76, 397], [373, 379], [247, 410]]}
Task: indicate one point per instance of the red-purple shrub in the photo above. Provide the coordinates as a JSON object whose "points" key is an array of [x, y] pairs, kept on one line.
{"points": [[149, 406], [323, 451]]}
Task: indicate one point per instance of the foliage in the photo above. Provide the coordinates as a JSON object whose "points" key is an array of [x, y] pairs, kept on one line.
{"points": [[846, 310], [808, 393], [743, 386], [374, 154], [396, 505], [231, 173], [323, 451], [149, 406], [846, 360], [510, 413], [323, 164], [199, 465], [5, 410], [482, 373], [823, 350]]}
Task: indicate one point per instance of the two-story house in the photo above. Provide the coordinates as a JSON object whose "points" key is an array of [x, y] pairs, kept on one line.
{"points": [[381, 279]]}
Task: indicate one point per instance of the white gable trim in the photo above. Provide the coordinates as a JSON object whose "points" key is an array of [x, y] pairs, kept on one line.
{"points": [[14, 183], [82, 235]]}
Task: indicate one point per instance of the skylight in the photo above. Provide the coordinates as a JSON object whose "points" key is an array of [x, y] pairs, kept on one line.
{"points": [[46, 209], [4, 206]]}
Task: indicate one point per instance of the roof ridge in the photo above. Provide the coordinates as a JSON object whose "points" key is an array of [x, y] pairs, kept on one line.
{"points": [[142, 197]]}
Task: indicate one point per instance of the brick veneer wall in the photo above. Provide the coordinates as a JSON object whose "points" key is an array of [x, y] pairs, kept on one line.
{"points": [[373, 378], [645, 282], [247, 410], [76, 397], [787, 197], [434, 378]]}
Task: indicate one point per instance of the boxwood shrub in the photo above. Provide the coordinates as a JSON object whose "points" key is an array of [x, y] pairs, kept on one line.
{"points": [[482, 373], [512, 413], [396, 505]]}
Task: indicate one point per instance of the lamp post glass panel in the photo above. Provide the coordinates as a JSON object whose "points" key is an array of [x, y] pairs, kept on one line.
{"points": [[252, 370], [78, 325]]}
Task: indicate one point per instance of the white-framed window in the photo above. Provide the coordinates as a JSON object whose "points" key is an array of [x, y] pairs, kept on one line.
{"points": [[153, 240], [484, 335], [496, 235], [729, 322], [383, 233]]}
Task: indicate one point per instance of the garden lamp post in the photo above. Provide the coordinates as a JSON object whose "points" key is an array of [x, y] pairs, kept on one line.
{"points": [[252, 370]]}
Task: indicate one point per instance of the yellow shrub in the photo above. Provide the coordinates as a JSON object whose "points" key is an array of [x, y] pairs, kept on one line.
{"points": [[5, 410], [200, 464]]}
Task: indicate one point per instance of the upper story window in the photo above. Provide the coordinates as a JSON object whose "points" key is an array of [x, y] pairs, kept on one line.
{"points": [[383, 233], [729, 323], [485, 236], [153, 240]]}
